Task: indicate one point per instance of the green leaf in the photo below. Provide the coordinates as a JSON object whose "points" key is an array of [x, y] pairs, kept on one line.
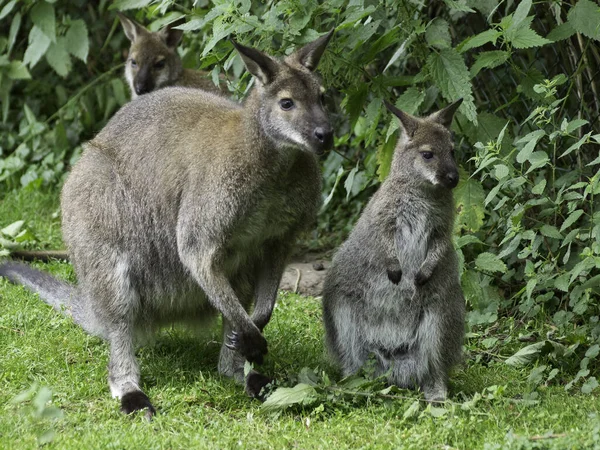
{"points": [[577, 144], [573, 217], [42, 15], [58, 57], [458, 5], [38, 45], [526, 355], [466, 240], [350, 182], [550, 231], [438, 34], [451, 76], [563, 31], [527, 38], [77, 43], [489, 60], [501, 171], [411, 411], [590, 384], [385, 154], [593, 351], [469, 196], [584, 17], [520, 13], [539, 188], [123, 5], [490, 263], [478, 40], [13, 229], [301, 394], [15, 25], [532, 140], [7, 9], [18, 71]]}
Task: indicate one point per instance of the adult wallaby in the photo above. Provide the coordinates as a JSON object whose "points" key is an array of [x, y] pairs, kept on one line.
{"points": [[153, 61], [393, 289], [187, 204]]}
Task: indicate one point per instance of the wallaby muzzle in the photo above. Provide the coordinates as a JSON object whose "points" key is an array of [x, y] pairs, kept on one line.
{"points": [[323, 139], [449, 178], [143, 82]]}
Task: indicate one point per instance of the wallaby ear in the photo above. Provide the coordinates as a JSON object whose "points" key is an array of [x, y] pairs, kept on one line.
{"points": [[444, 116], [310, 55], [409, 123], [259, 64], [131, 27], [171, 36]]}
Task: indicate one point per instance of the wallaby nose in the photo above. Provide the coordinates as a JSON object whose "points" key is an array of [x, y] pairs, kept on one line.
{"points": [[141, 89], [325, 136], [452, 179]]}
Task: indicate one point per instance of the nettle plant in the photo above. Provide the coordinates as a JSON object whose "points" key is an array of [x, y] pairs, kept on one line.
{"points": [[542, 235]]}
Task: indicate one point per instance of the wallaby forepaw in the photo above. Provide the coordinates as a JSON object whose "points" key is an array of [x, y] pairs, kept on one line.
{"points": [[137, 401], [394, 275], [254, 383], [251, 346]]}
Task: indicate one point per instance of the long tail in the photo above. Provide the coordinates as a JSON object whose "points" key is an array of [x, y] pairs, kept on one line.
{"points": [[51, 290]]}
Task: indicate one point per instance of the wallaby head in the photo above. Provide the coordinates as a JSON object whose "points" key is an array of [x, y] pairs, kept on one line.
{"points": [[289, 97], [153, 61], [426, 149]]}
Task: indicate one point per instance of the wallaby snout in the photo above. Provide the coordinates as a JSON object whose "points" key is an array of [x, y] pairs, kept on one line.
{"points": [[324, 139], [143, 82], [450, 179]]}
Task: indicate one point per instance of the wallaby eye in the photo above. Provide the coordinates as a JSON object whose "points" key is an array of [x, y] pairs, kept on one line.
{"points": [[159, 64], [286, 104], [427, 155], [133, 63]]}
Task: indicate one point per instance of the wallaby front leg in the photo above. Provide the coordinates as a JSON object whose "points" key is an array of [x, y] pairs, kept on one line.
{"points": [[124, 372], [267, 284], [435, 251], [246, 337]]}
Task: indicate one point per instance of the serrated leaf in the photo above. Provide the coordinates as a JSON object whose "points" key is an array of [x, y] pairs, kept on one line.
{"points": [[466, 240], [571, 219], [123, 5], [7, 9], [350, 182], [501, 171], [489, 60], [301, 394], [77, 43], [58, 57], [526, 355], [15, 25], [18, 71], [590, 384], [412, 411], [490, 263], [438, 34], [526, 152], [520, 13], [584, 17], [385, 154], [563, 31], [399, 52], [478, 40], [458, 5], [38, 45], [526, 38], [469, 197], [550, 231], [436, 412], [451, 76], [42, 15], [577, 144], [539, 188]]}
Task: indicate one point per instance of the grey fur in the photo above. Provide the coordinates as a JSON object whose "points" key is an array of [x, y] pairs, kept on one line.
{"points": [[153, 61], [187, 205], [393, 289]]}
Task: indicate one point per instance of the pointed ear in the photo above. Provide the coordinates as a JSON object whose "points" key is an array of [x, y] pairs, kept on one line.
{"points": [[131, 27], [171, 36], [259, 64], [408, 123], [445, 116], [310, 55]]}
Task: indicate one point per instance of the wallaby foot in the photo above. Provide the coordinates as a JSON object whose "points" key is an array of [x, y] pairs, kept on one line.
{"points": [[252, 346], [254, 383], [137, 401], [437, 392]]}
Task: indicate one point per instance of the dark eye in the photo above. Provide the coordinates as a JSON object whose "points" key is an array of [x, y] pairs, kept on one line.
{"points": [[427, 155], [159, 64], [286, 104], [322, 98], [133, 63]]}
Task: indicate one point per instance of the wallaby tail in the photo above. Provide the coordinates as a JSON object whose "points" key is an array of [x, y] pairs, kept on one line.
{"points": [[51, 290]]}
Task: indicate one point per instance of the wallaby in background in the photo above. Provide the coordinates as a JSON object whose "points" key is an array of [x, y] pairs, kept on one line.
{"points": [[187, 204], [393, 289], [153, 61]]}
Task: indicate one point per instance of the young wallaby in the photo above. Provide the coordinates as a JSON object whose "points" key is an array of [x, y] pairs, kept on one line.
{"points": [[153, 61], [187, 204], [393, 289]]}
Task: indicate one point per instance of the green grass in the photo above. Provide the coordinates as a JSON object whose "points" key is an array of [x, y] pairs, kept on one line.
{"points": [[199, 409]]}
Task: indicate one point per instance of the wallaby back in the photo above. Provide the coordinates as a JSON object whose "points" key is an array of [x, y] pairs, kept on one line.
{"points": [[153, 61], [393, 289]]}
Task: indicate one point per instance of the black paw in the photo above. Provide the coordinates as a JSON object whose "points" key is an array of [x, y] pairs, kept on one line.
{"points": [[251, 346], [137, 401], [254, 384], [421, 278], [394, 275]]}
